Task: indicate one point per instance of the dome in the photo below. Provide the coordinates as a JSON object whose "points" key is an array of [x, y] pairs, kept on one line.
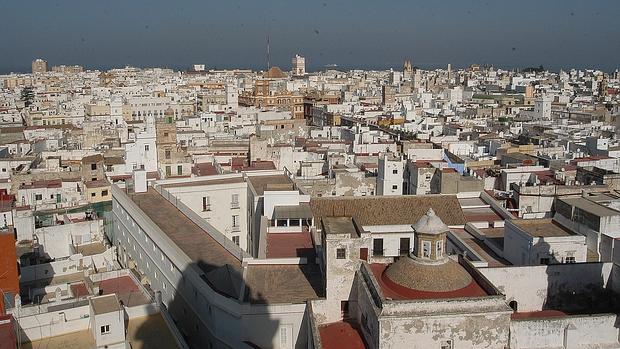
{"points": [[430, 223], [445, 276], [274, 73]]}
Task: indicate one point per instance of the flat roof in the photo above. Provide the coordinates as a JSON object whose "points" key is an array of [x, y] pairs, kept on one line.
{"points": [[590, 206], [542, 228], [294, 211], [339, 225], [204, 182], [105, 304], [272, 183], [290, 245], [341, 335], [269, 284]]}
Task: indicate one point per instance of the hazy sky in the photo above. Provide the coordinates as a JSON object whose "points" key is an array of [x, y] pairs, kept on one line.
{"points": [[350, 33]]}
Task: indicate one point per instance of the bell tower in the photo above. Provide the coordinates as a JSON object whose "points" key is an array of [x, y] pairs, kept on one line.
{"points": [[430, 237]]}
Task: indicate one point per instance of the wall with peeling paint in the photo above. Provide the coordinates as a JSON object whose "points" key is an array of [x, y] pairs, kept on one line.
{"points": [[566, 332], [576, 287]]}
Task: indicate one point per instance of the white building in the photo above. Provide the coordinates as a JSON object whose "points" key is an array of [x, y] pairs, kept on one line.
{"points": [[299, 66], [390, 175]]}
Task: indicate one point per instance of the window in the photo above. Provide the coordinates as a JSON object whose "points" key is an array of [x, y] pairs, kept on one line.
{"points": [[439, 249], [167, 154], [404, 246], [569, 260], [38, 197], [377, 247], [235, 239], [179, 170], [146, 147], [283, 336], [105, 329], [93, 166], [93, 194], [447, 344], [395, 187], [235, 221], [426, 249], [168, 171], [206, 203], [544, 261], [394, 171], [104, 192], [234, 201], [341, 253]]}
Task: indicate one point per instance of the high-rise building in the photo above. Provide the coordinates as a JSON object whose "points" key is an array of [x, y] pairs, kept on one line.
{"points": [[39, 66], [299, 66], [388, 95]]}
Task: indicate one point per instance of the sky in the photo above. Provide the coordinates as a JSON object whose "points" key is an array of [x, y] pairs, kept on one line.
{"points": [[367, 34]]}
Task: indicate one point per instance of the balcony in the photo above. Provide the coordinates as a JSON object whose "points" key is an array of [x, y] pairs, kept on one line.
{"points": [[234, 205], [378, 252]]}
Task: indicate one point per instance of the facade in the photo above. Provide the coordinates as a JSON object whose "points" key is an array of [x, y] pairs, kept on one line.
{"points": [[299, 66], [542, 241], [39, 66], [390, 176]]}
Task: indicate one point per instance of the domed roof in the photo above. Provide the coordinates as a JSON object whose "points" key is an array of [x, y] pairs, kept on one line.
{"points": [[430, 223], [445, 276], [274, 73]]}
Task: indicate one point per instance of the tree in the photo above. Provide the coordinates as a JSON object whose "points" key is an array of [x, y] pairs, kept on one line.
{"points": [[27, 96]]}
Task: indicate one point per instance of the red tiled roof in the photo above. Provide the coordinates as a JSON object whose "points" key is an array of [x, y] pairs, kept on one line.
{"points": [[392, 290], [204, 169], [7, 333], [289, 245], [341, 335]]}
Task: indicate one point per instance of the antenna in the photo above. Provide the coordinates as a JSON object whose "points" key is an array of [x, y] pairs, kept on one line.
{"points": [[268, 57]]}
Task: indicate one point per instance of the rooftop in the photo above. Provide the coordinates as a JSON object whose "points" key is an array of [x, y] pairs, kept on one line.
{"points": [[542, 228], [289, 245], [142, 332], [283, 283], [272, 183], [388, 210], [341, 335], [590, 206], [197, 244], [105, 304], [392, 290]]}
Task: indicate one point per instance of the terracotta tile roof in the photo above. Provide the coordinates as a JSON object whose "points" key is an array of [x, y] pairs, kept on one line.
{"points": [[197, 244], [289, 245], [341, 335], [283, 283], [387, 210]]}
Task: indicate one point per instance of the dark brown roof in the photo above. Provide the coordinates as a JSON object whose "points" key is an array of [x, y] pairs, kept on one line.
{"points": [[197, 244], [388, 210], [274, 73], [283, 283], [272, 182], [92, 158], [422, 276]]}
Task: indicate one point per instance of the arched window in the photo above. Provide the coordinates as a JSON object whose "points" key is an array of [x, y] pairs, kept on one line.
{"points": [[513, 305]]}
